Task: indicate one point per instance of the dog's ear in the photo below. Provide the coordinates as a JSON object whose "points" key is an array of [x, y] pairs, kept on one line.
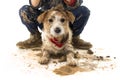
{"points": [[41, 17], [71, 17]]}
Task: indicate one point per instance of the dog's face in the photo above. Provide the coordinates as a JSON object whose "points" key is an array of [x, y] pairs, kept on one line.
{"points": [[56, 23]]}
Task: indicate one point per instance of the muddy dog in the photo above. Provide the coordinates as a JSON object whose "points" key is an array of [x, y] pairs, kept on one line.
{"points": [[56, 34]]}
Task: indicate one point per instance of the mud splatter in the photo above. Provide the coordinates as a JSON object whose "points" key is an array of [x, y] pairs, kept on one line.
{"points": [[69, 70]]}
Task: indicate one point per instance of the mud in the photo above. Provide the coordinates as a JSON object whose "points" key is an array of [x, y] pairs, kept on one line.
{"points": [[88, 63], [69, 70]]}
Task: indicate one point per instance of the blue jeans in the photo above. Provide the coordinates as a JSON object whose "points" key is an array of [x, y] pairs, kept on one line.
{"points": [[81, 14]]}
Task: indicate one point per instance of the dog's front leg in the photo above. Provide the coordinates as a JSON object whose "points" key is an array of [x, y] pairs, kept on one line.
{"points": [[45, 57], [71, 60]]}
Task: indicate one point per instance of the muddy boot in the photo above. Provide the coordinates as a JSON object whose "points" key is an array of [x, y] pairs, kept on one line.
{"points": [[32, 42], [80, 44]]}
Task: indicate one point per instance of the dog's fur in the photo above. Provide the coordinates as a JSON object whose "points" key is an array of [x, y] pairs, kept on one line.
{"points": [[56, 34]]}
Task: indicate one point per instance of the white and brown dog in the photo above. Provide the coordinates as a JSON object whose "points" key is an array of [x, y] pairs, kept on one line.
{"points": [[56, 34]]}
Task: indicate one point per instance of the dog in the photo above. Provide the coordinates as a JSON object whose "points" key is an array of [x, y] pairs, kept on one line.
{"points": [[56, 34]]}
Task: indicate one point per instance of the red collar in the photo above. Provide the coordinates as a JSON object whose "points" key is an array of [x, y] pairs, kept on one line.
{"points": [[55, 41], [70, 2]]}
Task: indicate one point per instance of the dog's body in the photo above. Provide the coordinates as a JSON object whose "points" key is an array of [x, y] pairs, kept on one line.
{"points": [[56, 34]]}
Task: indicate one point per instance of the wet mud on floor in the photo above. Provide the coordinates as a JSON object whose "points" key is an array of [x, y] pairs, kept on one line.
{"points": [[69, 70], [86, 62]]}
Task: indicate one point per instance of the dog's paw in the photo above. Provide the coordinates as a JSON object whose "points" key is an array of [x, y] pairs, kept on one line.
{"points": [[43, 60], [73, 62], [62, 59]]}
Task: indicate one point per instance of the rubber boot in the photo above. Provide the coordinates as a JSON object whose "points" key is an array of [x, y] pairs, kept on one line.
{"points": [[32, 42], [81, 44]]}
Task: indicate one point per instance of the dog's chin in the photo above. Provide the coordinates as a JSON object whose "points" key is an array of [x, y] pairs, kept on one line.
{"points": [[61, 38]]}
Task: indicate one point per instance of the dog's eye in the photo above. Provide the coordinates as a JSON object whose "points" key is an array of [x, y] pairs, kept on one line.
{"points": [[50, 20], [62, 20]]}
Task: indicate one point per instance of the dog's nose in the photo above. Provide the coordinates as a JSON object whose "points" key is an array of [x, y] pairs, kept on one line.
{"points": [[57, 30]]}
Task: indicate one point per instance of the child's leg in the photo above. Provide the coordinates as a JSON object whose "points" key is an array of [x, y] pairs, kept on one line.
{"points": [[28, 17], [82, 14]]}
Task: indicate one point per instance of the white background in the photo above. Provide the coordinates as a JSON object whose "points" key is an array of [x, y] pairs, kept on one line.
{"points": [[102, 29]]}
